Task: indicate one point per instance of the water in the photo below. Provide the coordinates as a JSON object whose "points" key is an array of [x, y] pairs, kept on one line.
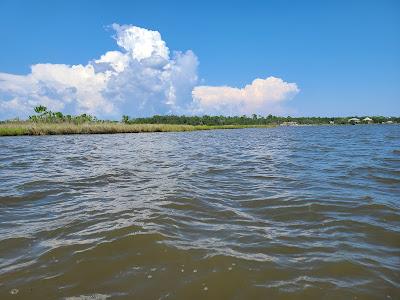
{"points": [[281, 213]]}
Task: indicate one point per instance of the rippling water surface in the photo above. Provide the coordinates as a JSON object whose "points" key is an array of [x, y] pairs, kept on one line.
{"points": [[280, 213]]}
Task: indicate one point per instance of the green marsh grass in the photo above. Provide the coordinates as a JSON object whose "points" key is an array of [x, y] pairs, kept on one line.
{"points": [[38, 128]]}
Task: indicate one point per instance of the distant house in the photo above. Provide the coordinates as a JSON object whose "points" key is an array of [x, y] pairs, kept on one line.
{"points": [[331, 122], [354, 121], [368, 120]]}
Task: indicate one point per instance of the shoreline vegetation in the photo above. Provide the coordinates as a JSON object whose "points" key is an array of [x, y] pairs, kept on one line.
{"points": [[31, 128], [46, 122]]}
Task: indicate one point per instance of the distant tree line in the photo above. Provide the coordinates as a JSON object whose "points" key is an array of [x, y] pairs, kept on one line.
{"points": [[246, 120], [45, 115]]}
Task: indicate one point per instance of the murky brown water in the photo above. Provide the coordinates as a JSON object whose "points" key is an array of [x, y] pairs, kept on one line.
{"points": [[282, 213]]}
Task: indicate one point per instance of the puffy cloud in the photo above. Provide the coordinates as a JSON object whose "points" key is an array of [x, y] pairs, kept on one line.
{"points": [[141, 79], [140, 43], [261, 96], [114, 59]]}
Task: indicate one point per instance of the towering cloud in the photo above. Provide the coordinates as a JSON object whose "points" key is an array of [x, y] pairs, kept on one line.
{"points": [[143, 78]]}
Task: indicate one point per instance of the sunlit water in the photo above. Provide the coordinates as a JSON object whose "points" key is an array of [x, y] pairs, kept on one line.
{"points": [[281, 213]]}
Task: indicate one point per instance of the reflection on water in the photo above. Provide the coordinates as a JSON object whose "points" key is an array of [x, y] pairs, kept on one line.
{"points": [[282, 213]]}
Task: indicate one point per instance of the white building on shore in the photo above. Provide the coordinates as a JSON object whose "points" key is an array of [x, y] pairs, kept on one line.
{"points": [[368, 120], [354, 121]]}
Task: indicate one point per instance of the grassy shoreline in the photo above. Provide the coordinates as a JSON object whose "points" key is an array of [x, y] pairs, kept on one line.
{"points": [[33, 128]]}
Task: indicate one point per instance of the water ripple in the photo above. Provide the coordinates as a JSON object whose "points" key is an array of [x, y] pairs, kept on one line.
{"points": [[282, 213]]}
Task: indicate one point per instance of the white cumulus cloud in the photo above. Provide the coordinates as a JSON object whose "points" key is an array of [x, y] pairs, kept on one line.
{"points": [[261, 96], [142, 78]]}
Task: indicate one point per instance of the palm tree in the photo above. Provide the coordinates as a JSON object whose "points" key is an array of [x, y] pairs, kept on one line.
{"points": [[40, 109]]}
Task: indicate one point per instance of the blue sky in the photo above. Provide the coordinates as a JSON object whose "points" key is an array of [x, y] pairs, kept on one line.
{"points": [[343, 56]]}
